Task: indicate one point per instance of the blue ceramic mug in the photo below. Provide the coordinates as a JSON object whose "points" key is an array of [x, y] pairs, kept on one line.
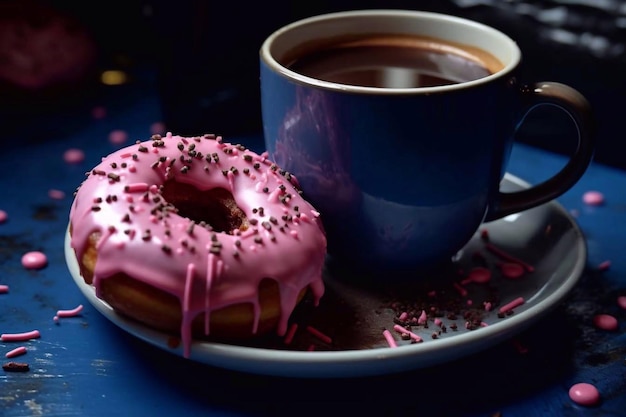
{"points": [[398, 126]]}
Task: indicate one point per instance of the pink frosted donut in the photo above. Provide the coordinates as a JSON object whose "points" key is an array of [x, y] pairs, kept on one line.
{"points": [[197, 237]]}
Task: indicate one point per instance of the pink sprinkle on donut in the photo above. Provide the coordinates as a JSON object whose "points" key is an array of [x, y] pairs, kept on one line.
{"points": [[584, 394], [34, 260], [3, 216], [621, 301], [605, 322], [593, 198], [512, 270], [74, 156], [56, 194], [118, 136]]}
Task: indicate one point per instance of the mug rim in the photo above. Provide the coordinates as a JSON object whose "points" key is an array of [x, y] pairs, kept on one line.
{"points": [[268, 58]]}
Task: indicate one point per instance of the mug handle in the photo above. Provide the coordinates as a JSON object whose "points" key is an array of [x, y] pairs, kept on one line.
{"points": [[579, 109]]}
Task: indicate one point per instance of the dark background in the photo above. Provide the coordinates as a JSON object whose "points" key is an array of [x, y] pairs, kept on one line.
{"points": [[206, 56]]}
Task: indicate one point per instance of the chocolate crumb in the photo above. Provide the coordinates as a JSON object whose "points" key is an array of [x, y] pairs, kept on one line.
{"points": [[16, 367]]}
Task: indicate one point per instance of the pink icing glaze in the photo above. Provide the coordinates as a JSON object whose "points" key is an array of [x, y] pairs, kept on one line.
{"points": [[584, 394], [605, 322], [34, 260], [205, 270], [3, 216]]}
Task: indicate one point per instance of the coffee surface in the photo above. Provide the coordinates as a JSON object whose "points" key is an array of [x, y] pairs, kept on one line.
{"points": [[394, 61]]}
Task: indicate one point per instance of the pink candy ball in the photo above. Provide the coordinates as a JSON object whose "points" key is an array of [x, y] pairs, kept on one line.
{"points": [[593, 198], [584, 394], [605, 322], [34, 260]]}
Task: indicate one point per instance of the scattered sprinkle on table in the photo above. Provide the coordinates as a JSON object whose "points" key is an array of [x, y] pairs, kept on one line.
{"points": [[99, 112], [593, 198], [3, 216], [68, 313], [605, 322], [56, 194], [157, 128], [621, 301], [604, 266], [16, 352], [4, 289], [15, 367], [20, 337], [34, 260], [584, 394], [118, 136], [74, 156]]}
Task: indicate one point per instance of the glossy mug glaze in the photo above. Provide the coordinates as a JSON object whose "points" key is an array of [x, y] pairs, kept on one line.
{"points": [[404, 177]]}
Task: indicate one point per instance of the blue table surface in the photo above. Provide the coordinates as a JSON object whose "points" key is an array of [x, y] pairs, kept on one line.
{"points": [[87, 366]]}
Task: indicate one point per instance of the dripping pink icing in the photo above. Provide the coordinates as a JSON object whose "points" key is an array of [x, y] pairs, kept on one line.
{"points": [[205, 270]]}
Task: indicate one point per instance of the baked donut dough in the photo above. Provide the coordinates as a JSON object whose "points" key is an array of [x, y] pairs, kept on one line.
{"points": [[197, 237]]}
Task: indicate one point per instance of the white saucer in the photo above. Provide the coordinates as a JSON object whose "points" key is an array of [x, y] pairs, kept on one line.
{"points": [[546, 237]]}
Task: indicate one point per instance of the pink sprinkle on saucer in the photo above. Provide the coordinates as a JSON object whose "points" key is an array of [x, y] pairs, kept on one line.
{"points": [[512, 270], [605, 322], [3, 216], [34, 260], [479, 275], [74, 156], [584, 394], [593, 198], [118, 136]]}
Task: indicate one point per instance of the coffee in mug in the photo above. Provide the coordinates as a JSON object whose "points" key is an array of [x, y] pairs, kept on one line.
{"points": [[393, 61]]}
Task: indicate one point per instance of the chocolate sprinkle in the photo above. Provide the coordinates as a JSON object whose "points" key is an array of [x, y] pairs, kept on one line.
{"points": [[15, 367]]}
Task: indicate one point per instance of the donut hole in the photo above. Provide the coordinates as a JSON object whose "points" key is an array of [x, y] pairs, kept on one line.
{"points": [[216, 207]]}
